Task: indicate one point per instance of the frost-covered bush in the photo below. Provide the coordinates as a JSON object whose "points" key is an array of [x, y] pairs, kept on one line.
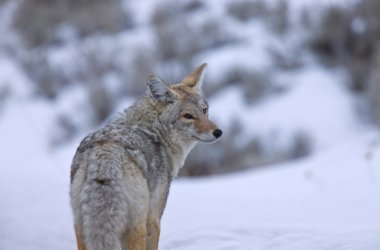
{"points": [[246, 10], [4, 95], [179, 38], [287, 60], [48, 79], [301, 145], [349, 38], [234, 154], [101, 102], [331, 35], [108, 73], [278, 20], [48, 22], [86, 46], [274, 16], [256, 84], [373, 90]]}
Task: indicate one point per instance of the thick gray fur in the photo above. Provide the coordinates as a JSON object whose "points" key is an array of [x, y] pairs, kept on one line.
{"points": [[121, 173]]}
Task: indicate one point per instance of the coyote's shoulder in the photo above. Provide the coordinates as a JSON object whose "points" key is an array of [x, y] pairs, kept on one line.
{"points": [[121, 173]]}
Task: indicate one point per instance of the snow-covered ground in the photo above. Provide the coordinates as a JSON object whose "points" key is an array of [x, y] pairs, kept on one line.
{"points": [[327, 201], [330, 200]]}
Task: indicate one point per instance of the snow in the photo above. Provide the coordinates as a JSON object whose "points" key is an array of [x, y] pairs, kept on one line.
{"points": [[315, 98], [329, 200], [318, 203]]}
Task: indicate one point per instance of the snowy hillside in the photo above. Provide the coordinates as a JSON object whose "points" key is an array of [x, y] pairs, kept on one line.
{"points": [[327, 201], [308, 161]]}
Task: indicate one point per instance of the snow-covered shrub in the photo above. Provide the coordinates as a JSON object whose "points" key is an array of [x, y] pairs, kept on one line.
{"points": [[102, 64], [181, 37], [108, 73], [256, 84], [5, 92], [226, 155], [101, 102], [273, 15], [373, 90], [331, 36], [246, 10], [48, 22], [48, 79], [302, 145], [169, 9], [65, 130], [348, 38], [234, 154], [286, 60], [278, 20]]}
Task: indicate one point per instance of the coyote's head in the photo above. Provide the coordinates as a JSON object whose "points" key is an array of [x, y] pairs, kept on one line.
{"points": [[183, 108]]}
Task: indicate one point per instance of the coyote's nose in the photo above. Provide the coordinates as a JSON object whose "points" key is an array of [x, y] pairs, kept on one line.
{"points": [[217, 133]]}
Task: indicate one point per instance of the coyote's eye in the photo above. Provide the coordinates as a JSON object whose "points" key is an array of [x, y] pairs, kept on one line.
{"points": [[188, 116], [205, 110]]}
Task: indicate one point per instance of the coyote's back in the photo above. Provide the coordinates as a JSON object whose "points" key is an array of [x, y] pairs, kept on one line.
{"points": [[121, 173]]}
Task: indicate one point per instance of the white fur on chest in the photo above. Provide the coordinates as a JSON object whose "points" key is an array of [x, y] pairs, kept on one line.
{"points": [[179, 159]]}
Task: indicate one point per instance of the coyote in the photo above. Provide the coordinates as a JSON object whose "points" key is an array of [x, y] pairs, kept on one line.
{"points": [[121, 173]]}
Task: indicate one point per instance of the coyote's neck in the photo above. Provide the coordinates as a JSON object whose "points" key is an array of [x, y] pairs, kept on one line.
{"points": [[178, 149], [143, 116], [179, 158]]}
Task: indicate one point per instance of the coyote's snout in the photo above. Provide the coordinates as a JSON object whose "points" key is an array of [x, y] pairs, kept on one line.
{"points": [[121, 174]]}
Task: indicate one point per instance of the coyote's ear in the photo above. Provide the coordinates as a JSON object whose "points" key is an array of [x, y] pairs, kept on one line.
{"points": [[159, 90], [195, 79]]}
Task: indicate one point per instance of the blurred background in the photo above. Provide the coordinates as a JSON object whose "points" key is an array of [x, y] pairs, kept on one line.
{"points": [[87, 60], [286, 80]]}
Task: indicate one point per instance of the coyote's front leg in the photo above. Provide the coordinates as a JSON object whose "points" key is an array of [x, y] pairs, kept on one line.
{"points": [[135, 238], [153, 226], [79, 236]]}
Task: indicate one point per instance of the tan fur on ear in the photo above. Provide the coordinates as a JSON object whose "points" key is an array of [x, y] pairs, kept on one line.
{"points": [[195, 78]]}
